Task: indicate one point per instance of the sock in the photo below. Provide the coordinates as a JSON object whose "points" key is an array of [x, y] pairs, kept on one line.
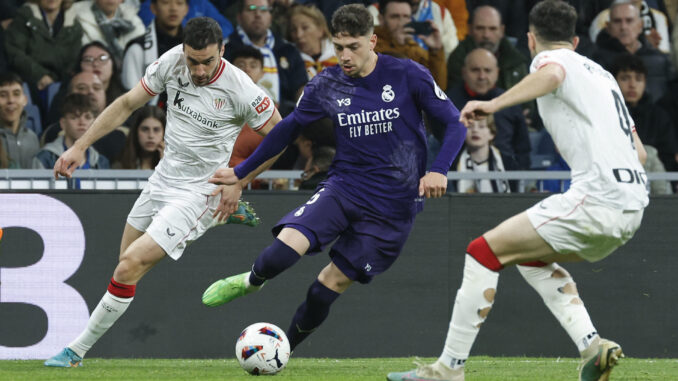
{"points": [[272, 261], [311, 313], [113, 304], [471, 306], [559, 292]]}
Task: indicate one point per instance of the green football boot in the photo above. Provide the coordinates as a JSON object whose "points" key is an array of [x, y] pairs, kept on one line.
{"points": [[225, 290], [244, 215]]}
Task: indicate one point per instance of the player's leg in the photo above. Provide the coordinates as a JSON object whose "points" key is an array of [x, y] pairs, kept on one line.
{"points": [[304, 230], [284, 252], [331, 283], [139, 257]]}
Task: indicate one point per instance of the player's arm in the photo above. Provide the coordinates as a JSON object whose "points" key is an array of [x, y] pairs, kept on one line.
{"points": [[276, 140], [109, 119], [640, 148], [543, 81]]}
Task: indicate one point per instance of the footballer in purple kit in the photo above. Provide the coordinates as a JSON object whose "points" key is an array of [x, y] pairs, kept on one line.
{"points": [[377, 182]]}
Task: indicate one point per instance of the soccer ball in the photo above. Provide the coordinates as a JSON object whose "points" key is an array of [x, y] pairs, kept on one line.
{"points": [[262, 348]]}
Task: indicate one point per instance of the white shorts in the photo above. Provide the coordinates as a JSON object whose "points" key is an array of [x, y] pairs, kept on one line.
{"points": [[571, 223], [173, 217]]}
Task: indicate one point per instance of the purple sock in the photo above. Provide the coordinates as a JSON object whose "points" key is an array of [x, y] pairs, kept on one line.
{"points": [[311, 313], [272, 261]]}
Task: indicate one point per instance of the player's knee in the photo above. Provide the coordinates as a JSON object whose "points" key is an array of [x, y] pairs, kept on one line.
{"points": [[483, 254], [127, 270]]}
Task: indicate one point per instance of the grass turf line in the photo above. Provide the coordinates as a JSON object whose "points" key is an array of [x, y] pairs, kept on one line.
{"points": [[310, 369]]}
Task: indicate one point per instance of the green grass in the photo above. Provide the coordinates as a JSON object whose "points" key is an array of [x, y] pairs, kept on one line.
{"points": [[477, 369]]}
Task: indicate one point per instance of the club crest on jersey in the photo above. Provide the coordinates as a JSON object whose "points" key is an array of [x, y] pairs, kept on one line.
{"points": [[219, 103], [387, 95]]}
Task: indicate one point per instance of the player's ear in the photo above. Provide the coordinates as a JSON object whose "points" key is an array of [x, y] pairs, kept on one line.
{"points": [[531, 42], [221, 51], [575, 42], [373, 41]]}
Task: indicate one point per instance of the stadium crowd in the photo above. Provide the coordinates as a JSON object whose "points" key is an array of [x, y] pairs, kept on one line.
{"points": [[63, 61]]}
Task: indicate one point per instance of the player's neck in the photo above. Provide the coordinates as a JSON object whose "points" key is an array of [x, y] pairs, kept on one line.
{"points": [[370, 65], [554, 46]]}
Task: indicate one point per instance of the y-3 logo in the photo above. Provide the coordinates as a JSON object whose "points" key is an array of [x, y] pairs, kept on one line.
{"points": [[344, 102]]}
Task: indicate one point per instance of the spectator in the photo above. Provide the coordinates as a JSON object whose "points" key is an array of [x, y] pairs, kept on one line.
{"points": [[654, 22], [319, 168], [145, 143], [249, 60], [426, 10], [96, 58], [163, 33], [309, 32], [513, 12], [88, 83], [654, 165], [480, 73], [459, 13], [110, 22], [652, 123], [479, 155], [196, 8], [623, 34], [43, 42], [285, 75], [78, 115], [396, 39], [317, 134], [19, 143], [486, 30]]}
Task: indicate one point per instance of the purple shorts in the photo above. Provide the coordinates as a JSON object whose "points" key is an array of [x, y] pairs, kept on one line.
{"points": [[366, 244]]}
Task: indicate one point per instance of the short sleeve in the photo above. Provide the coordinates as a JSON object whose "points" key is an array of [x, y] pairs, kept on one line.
{"points": [[154, 80], [254, 105]]}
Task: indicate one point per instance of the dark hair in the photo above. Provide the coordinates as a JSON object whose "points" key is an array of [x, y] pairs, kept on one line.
{"points": [[115, 88], [320, 133], [384, 3], [77, 104], [133, 150], [9, 77], [201, 32], [353, 20], [628, 62], [248, 51], [322, 157], [553, 21]]}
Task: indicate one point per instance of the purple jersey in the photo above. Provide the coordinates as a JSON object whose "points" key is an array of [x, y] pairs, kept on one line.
{"points": [[380, 135]]}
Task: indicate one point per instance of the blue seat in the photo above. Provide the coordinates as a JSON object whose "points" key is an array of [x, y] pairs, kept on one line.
{"points": [[51, 91], [27, 92]]}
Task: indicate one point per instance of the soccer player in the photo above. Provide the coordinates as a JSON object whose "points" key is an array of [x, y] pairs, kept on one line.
{"points": [[210, 100], [376, 183], [584, 112]]}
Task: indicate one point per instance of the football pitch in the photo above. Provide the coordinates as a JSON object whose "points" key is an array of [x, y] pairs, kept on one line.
{"points": [[303, 369]]}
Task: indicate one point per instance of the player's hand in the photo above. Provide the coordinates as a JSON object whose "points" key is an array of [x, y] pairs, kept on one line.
{"points": [[433, 185], [475, 110], [69, 161], [45, 81], [224, 176], [230, 195]]}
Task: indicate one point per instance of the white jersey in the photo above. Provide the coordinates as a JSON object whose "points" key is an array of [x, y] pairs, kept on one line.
{"points": [[589, 123], [203, 122]]}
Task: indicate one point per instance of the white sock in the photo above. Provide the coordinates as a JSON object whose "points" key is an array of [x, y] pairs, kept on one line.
{"points": [[561, 297], [475, 296], [109, 309]]}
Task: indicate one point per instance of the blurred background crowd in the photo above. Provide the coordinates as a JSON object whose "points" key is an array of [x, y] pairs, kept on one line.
{"points": [[63, 61]]}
